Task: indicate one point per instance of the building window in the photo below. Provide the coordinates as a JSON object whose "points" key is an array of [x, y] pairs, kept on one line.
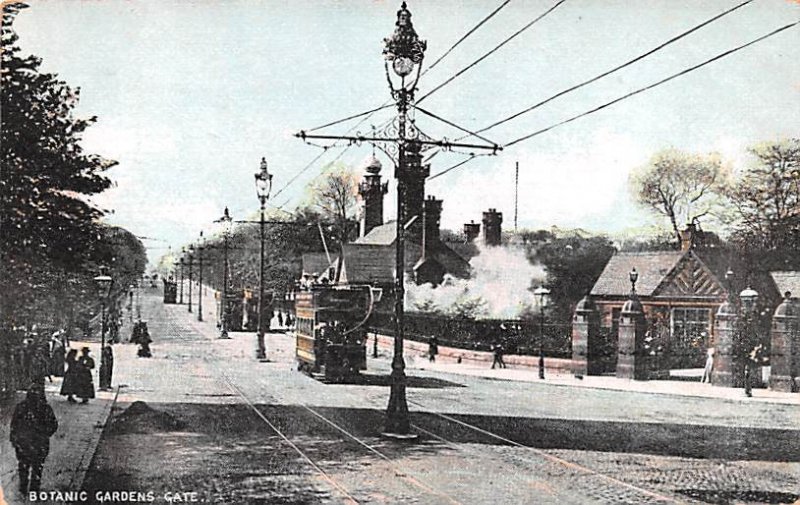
{"points": [[690, 331]]}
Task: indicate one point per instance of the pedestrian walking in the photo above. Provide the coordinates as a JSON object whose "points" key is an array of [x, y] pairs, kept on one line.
{"points": [[280, 319], [433, 348], [69, 387], [709, 365], [32, 425], [84, 383], [39, 368], [56, 355], [498, 356], [106, 366]]}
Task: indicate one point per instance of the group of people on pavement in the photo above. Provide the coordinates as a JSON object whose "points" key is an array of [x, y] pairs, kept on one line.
{"points": [[78, 377]]}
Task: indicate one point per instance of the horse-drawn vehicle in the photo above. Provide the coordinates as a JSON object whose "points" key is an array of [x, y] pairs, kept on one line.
{"points": [[331, 329]]}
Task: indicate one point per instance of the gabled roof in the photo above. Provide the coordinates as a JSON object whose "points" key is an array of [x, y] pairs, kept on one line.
{"points": [[380, 235], [367, 263], [666, 275], [652, 268], [787, 281]]}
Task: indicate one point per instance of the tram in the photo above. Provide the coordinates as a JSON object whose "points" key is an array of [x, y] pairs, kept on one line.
{"points": [[331, 329]]}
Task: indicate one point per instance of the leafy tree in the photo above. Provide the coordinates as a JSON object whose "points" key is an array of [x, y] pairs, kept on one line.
{"points": [[49, 228], [767, 198], [683, 187], [573, 265]]}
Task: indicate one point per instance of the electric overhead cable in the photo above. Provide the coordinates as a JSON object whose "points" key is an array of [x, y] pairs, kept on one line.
{"points": [[615, 69], [633, 93], [492, 51], [443, 120], [385, 105], [655, 84], [348, 118], [465, 36]]}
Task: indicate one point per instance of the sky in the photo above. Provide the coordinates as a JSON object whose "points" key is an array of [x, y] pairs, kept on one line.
{"points": [[191, 94]]}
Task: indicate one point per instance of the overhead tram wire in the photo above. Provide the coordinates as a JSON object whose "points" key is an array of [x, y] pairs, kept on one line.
{"points": [[492, 51], [385, 105], [613, 70], [465, 36], [443, 120], [633, 93]]}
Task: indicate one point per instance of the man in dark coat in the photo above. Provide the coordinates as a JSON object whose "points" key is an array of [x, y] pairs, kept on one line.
{"points": [[433, 348], [85, 385], [106, 367], [32, 425]]}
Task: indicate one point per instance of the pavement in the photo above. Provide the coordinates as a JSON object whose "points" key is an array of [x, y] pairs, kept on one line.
{"points": [[81, 426], [71, 447]]}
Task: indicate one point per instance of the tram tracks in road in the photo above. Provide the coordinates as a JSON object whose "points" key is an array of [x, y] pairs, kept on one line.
{"points": [[402, 473]]}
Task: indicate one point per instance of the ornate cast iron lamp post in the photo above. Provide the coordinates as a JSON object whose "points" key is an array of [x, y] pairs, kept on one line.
{"points": [[263, 188], [200, 247], [103, 283], [405, 51], [190, 253], [227, 225], [542, 293], [183, 251]]}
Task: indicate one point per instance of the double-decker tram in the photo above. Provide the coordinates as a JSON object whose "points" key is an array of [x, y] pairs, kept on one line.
{"points": [[331, 329]]}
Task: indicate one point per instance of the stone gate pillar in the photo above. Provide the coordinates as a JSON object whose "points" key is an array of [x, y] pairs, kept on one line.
{"points": [[726, 371], [785, 354], [585, 334], [631, 361]]}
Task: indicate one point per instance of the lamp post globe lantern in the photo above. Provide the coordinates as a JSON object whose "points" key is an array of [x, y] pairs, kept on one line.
{"points": [[190, 255], [633, 276], [103, 283], [263, 187], [542, 293], [227, 226], [749, 298]]}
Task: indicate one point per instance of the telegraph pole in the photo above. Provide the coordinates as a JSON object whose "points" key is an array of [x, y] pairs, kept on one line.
{"points": [[405, 51]]}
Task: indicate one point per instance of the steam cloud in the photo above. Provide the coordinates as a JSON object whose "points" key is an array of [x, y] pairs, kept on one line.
{"points": [[500, 287]]}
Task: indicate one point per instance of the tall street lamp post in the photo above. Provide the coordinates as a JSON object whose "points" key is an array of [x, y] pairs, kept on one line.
{"points": [[190, 253], [103, 283], [200, 247], [182, 263], [542, 293], [263, 188], [404, 142], [227, 224]]}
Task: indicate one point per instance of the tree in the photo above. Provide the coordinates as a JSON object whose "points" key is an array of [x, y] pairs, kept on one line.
{"points": [[683, 187], [334, 196], [49, 230], [767, 198]]}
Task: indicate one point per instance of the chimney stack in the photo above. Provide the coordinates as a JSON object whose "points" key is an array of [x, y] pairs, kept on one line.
{"points": [[689, 237], [472, 230], [431, 217], [492, 221], [371, 191]]}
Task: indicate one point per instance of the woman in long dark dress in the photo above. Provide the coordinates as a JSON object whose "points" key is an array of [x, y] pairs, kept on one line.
{"points": [[69, 387], [85, 389]]}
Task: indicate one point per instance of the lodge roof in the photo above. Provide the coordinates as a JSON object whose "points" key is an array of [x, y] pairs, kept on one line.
{"points": [[666, 274], [787, 281], [380, 235]]}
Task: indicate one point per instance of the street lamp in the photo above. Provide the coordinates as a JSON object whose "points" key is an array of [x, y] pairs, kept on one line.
{"points": [[405, 51], [200, 247], [227, 225], [263, 188], [633, 275], [190, 253], [542, 293], [103, 283], [183, 251]]}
